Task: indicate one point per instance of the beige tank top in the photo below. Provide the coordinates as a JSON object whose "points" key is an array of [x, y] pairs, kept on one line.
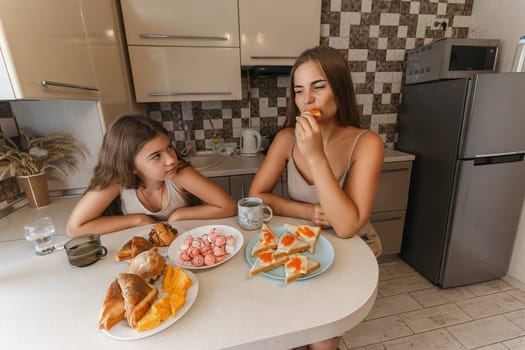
{"points": [[300, 190], [178, 198]]}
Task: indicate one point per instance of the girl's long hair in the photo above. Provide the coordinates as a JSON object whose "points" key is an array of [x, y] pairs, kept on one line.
{"points": [[123, 140], [338, 75]]}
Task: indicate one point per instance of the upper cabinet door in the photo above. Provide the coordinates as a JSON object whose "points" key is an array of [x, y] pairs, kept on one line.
{"points": [[45, 50], [275, 32], [181, 22]]}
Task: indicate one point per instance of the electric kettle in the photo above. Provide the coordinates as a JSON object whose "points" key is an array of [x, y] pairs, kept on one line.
{"points": [[250, 142]]}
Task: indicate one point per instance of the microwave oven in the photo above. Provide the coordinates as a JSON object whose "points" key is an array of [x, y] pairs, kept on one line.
{"points": [[451, 59]]}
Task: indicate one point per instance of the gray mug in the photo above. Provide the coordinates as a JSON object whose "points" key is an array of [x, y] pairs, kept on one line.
{"points": [[252, 213], [84, 251]]}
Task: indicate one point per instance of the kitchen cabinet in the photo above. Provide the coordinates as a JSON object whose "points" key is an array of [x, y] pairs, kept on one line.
{"points": [[182, 50], [388, 213], [238, 186], [275, 32], [105, 39], [45, 52]]}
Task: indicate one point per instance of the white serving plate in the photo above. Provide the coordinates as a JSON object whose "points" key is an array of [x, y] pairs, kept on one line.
{"points": [[174, 251]]}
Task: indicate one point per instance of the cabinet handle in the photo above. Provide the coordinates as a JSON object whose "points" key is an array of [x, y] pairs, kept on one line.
{"points": [[386, 219], [46, 83], [222, 93], [273, 57], [173, 36], [395, 170]]}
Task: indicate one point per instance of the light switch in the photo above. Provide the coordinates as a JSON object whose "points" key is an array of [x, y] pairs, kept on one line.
{"points": [[8, 126]]}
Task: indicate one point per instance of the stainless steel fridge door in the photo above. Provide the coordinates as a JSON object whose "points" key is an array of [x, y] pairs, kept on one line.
{"points": [[495, 120], [484, 219]]}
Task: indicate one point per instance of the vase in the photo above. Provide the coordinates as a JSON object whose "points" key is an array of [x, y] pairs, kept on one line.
{"points": [[35, 188]]}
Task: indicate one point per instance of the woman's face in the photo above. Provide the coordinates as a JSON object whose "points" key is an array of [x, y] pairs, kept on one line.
{"points": [[313, 91], [156, 160]]}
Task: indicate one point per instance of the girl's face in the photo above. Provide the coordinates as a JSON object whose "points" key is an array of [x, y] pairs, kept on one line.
{"points": [[313, 91], [156, 160]]}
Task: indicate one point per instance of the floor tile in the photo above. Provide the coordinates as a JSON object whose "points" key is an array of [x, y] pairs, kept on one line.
{"points": [[395, 304], [485, 331], [371, 347], [515, 344], [518, 294], [517, 317], [437, 296], [403, 285], [434, 317], [435, 340], [497, 346], [490, 305], [395, 269], [489, 287], [376, 331]]}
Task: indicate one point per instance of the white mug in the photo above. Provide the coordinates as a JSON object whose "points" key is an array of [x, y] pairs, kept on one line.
{"points": [[251, 211]]}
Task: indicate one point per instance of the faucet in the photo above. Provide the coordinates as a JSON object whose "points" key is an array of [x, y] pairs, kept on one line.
{"points": [[215, 138]]}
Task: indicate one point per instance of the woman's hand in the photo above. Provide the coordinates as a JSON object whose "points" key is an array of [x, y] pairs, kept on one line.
{"points": [[143, 219], [308, 137], [319, 218]]}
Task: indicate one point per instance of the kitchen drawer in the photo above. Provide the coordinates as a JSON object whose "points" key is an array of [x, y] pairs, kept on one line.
{"points": [[181, 22], [394, 183], [240, 185], [223, 182], [185, 73], [389, 227]]}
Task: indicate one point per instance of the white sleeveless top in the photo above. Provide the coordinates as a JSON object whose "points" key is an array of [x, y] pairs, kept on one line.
{"points": [[177, 198]]}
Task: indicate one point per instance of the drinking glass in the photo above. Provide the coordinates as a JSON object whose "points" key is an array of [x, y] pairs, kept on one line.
{"points": [[41, 232]]}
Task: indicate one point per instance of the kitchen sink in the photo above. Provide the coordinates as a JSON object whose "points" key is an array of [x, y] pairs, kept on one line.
{"points": [[204, 161]]}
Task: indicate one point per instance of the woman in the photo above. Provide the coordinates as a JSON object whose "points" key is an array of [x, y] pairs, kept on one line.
{"points": [[140, 175], [333, 166]]}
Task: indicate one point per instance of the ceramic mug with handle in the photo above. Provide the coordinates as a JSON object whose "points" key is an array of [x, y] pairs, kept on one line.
{"points": [[252, 213]]}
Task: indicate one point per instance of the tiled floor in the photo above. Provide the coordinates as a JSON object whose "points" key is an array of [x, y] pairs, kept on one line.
{"points": [[410, 313]]}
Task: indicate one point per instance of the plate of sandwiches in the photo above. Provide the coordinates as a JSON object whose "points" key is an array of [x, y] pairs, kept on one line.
{"points": [[159, 235], [289, 252], [136, 307]]}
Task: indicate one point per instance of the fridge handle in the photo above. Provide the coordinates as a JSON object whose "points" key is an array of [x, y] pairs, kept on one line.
{"points": [[508, 158]]}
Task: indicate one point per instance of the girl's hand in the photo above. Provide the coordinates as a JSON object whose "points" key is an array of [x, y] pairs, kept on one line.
{"points": [[143, 219], [319, 217], [308, 137]]}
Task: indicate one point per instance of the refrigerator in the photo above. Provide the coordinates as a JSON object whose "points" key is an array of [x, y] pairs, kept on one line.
{"points": [[468, 177]]}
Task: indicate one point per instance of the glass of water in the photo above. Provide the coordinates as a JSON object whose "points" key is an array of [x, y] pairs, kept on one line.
{"points": [[41, 232]]}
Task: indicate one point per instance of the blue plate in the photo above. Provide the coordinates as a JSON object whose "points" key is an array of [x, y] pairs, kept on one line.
{"points": [[324, 254]]}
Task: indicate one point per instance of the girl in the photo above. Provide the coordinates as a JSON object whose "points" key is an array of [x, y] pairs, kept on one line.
{"points": [[333, 166], [140, 175]]}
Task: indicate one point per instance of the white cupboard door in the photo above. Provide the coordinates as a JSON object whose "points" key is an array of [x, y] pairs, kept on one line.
{"points": [[275, 32], [181, 22], [185, 73], [45, 41]]}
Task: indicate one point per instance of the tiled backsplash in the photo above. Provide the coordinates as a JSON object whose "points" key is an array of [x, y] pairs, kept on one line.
{"points": [[372, 34]]}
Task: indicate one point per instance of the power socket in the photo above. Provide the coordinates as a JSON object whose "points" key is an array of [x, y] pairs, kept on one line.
{"points": [[440, 24]]}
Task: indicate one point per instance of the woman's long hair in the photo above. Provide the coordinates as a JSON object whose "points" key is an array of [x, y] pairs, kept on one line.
{"points": [[338, 75]]}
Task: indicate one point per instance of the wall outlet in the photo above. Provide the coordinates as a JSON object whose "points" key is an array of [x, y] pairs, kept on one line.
{"points": [[440, 24]]}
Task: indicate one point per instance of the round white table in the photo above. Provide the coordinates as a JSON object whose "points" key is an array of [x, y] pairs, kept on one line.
{"points": [[46, 302]]}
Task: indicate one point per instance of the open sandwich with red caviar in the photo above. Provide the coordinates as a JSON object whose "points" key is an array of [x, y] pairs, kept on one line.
{"points": [[273, 252]]}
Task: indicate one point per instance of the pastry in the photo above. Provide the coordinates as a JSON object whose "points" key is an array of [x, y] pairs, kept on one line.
{"points": [[149, 265], [132, 248], [138, 296], [113, 308], [162, 234]]}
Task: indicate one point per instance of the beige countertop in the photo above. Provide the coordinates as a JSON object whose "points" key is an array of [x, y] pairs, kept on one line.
{"points": [[237, 165], [49, 302]]}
